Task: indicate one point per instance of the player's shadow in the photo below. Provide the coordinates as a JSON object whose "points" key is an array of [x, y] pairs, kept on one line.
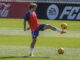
{"points": [[21, 57]]}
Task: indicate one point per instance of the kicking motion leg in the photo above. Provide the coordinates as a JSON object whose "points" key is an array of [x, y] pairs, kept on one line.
{"points": [[53, 28]]}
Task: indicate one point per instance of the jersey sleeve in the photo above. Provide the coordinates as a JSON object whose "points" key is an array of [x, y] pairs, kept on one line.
{"points": [[26, 17]]}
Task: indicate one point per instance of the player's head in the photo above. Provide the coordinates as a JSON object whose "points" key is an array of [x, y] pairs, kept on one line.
{"points": [[33, 6]]}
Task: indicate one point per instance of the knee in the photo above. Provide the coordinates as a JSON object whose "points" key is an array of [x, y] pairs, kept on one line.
{"points": [[48, 26]]}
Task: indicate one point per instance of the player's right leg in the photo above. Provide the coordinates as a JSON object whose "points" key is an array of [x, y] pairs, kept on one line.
{"points": [[54, 28]]}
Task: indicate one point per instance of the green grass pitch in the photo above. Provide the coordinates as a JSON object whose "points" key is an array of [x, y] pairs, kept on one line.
{"points": [[15, 43]]}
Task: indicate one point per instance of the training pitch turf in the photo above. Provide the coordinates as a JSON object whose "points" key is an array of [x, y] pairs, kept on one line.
{"points": [[15, 43]]}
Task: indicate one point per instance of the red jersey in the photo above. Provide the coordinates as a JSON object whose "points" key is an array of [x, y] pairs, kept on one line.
{"points": [[32, 20]]}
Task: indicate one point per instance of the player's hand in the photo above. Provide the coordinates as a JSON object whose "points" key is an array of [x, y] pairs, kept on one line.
{"points": [[28, 28]]}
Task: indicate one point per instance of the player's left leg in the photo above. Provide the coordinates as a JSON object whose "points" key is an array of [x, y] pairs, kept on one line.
{"points": [[32, 46], [53, 28], [34, 39]]}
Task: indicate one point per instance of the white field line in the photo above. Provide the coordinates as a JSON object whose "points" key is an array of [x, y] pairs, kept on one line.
{"points": [[70, 53], [46, 33]]}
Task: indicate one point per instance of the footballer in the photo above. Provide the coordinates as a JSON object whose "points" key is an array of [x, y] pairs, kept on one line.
{"points": [[35, 26]]}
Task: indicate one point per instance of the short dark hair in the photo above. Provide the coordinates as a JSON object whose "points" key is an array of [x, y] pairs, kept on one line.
{"points": [[32, 5]]}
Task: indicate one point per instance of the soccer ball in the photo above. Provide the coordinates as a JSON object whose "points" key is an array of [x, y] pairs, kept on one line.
{"points": [[61, 50], [64, 25]]}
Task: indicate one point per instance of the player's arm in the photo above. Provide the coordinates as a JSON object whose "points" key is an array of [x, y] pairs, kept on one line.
{"points": [[25, 19], [24, 24]]}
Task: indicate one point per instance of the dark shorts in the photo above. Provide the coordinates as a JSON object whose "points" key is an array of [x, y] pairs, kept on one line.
{"points": [[36, 32]]}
